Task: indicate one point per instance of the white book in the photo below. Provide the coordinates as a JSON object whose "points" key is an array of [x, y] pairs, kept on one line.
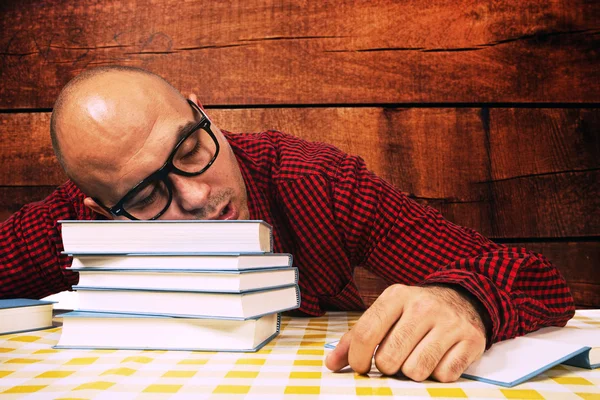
{"points": [[20, 315], [119, 236], [194, 304], [514, 361], [207, 281], [84, 330], [198, 261], [589, 337], [511, 362]]}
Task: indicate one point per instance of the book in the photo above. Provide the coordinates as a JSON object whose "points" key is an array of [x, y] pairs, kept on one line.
{"points": [[514, 361], [119, 236], [84, 330], [588, 337], [20, 315], [511, 362], [194, 304], [198, 261], [211, 281]]}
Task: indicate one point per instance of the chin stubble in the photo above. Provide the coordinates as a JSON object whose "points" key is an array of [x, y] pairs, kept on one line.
{"points": [[215, 202]]}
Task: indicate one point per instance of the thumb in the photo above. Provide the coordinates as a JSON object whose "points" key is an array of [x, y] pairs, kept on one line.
{"points": [[338, 358]]}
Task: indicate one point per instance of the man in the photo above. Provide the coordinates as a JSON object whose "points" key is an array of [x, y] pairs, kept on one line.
{"points": [[139, 150]]}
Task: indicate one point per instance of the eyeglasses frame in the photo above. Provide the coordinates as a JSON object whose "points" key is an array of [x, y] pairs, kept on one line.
{"points": [[163, 172]]}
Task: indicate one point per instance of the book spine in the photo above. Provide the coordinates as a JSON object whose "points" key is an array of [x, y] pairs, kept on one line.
{"points": [[296, 276], [298, 298], [278, 323], [291, 260]]}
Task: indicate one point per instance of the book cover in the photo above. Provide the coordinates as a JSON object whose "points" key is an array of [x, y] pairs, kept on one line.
{"points": [[17, 303], [583, 334]]}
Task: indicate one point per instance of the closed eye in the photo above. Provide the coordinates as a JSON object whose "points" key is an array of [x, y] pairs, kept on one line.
{"points": [[146, 201], [194, 151]]}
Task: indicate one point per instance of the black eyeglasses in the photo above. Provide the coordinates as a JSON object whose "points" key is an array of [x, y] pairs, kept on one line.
{"points": [[193, 155]]}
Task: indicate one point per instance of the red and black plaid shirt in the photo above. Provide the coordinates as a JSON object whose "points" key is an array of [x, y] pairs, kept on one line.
{"points": [[332, 214]]}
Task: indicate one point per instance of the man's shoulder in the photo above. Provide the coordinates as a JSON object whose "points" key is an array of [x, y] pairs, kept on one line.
{"points": [[65, 201], [284, 155]]}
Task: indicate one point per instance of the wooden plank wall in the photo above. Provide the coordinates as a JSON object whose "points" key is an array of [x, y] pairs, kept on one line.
{"points": [[488, 111]]}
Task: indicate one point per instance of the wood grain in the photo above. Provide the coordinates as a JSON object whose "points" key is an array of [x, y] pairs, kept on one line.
{"points": [[578, 262], [297, 52], [27, 151], [13, 198], [477, 166]]}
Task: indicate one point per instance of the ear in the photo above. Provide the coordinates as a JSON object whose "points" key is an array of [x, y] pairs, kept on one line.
{"points": [[92, 205], [194, 98]]}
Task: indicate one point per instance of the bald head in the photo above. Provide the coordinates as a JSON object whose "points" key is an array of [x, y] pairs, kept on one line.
{"points": [[116, 127], [104, 116]]}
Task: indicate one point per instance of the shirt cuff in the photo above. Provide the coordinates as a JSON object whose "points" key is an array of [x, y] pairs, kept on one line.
{"points": [[496, 303]]}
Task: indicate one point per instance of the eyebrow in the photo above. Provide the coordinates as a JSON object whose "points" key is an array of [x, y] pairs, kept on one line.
{"points": [[184, 130]]}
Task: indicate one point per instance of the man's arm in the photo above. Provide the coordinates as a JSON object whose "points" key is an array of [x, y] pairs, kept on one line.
{"points": [[31, 265], [404, 242]]}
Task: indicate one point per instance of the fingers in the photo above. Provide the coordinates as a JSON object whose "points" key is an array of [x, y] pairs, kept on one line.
{"points": [[422, 332], [426, 356], [425, 335], [457, 360], [401, 341], [338, 358], [372, 327]]}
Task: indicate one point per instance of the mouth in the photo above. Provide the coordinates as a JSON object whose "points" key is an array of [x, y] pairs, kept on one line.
{"points": [[228, 212]]}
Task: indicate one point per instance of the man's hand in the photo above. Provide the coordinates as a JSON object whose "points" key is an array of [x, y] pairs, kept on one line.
{"points": [[421, 331]]}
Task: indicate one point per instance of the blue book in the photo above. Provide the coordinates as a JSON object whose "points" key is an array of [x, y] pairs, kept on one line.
{"points": [[86, 330], [189, 303], [21, 315]]}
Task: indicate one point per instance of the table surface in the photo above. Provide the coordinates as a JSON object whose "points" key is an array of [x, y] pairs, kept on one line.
{"points": [[290, 366]]}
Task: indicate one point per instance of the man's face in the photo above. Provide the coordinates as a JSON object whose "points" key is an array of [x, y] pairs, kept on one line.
{"points": [[218, 193], [117, 141]]}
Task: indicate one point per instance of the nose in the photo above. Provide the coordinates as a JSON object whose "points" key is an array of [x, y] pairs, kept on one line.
{"points": [[189, 193]]}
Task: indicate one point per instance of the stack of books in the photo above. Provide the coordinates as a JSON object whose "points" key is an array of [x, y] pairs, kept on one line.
{"points": [[176, 285]]}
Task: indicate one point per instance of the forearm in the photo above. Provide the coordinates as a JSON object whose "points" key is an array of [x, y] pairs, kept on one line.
{"points": [[405, 242], [521, 291]]}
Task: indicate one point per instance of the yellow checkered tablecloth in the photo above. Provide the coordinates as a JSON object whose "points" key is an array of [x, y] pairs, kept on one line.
{"points": [[290, 366]]}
